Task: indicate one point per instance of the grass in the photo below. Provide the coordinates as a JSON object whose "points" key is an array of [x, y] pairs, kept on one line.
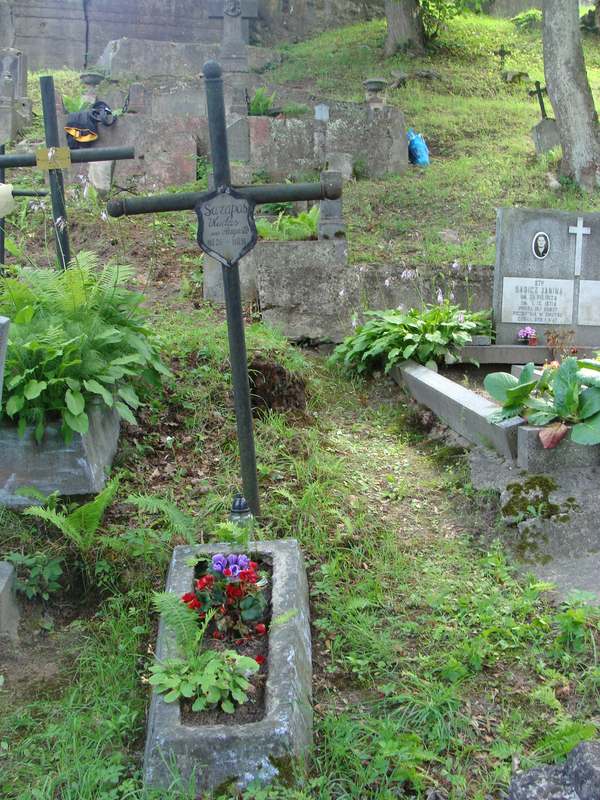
{"points": [[436, 667], [477, 127]]}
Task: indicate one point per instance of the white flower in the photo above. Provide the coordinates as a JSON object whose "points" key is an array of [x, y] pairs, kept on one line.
{"points": [[455, 266], [341, 293], [440, 296], [387, 282], [104, 216]]}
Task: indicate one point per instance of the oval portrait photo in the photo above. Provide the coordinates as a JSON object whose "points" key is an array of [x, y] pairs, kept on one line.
{"points": [[541, 245]]}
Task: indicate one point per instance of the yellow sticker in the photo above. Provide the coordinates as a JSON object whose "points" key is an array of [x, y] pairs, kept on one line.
{"points": [[48, 158]]}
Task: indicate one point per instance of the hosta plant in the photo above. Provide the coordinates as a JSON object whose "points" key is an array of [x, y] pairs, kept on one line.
{"points": [[429, 336], [209, 678], [566, 397], [77, 337]]}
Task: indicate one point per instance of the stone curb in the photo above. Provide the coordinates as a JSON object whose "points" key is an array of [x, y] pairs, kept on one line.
{"points": [[466, 412], [216, 755]]}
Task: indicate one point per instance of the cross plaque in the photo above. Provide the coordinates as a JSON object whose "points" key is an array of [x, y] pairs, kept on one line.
{"points": [[502, 53], [580, 231], [227, 231], [54, 165]]}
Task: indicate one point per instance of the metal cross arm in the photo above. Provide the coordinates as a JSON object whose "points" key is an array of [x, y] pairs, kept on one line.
{"points": [[77, 156], [226, 232], [29, 192], [329, 188]]}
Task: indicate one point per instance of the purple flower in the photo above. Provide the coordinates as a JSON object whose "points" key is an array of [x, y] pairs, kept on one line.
{"points": [[219, 562], [235, 570], [455, 267], [243, 562], [232, 559], [526, 333]]}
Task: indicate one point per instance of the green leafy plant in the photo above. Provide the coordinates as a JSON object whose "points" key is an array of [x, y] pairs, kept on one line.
{"points": [[564, 398], [75, 103], [77, 338], [429, 336], [38, 574], [295, 109], [80, 526], [528, 20], [261, 103], [291, 228], [210, 677]]}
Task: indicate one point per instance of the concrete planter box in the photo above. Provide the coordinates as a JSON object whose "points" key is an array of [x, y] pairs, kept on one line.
{"points": [[567, 455], [217, 756], [464, 411], [77, 468]]}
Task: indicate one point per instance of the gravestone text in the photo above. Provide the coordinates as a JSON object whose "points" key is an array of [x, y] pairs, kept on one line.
{"points": [[547, 274]]}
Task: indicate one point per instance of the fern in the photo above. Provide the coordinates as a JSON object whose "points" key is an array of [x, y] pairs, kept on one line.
{"points": [[77, 338], [180, 524], [80, 526], [182, 621]]}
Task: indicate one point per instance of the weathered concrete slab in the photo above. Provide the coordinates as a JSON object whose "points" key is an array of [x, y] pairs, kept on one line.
{"points": [[301, 288], [213, 755], [461, 409], [567, 455], [9, 610], [77, 468], [504, 354], [4, 327]]}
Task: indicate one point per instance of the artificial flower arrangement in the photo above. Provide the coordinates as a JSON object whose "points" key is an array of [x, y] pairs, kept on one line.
{"points": [[228, 601], [527, 335]]}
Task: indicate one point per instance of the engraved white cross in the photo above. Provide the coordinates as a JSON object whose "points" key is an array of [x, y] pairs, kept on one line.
{"points": [[580, 231]]}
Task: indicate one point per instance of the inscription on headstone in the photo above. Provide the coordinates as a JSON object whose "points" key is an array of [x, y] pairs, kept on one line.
{"points": [[226, 230], [547, 274]]}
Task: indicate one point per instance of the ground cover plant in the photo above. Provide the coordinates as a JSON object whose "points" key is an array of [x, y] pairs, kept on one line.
{"points": [[430, 336], [290, 227]]}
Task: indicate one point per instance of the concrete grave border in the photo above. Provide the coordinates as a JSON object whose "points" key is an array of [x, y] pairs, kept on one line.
{"points": [[9, 610], [217, 755], [461, 409], [71, 469]]}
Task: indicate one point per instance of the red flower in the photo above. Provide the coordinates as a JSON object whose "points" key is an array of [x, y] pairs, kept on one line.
{"points": [[261, 629], [205, 582], [253, 565], [233, 590], [217, 635], [188, 596], [260, 659], [227, 572]]}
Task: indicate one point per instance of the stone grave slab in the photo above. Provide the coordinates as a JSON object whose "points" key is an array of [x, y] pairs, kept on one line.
{"points": [[4, 325], [9, 610], [547, 274]]}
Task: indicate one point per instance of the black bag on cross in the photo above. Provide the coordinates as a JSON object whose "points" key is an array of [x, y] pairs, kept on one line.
{"points": [[82, 126]]}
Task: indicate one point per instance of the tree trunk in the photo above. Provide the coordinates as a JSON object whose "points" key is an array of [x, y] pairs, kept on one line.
{"points": [[597, 14], [404, 26], [569, 92]]}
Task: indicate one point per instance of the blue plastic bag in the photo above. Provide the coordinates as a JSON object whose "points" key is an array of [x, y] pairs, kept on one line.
{"points": [[418, 152]]}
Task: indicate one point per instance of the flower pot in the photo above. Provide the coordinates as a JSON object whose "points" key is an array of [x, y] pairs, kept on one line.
{"points": [[532, 341], [76, 468]]}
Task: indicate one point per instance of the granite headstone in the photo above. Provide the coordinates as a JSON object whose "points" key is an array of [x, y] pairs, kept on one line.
{"points": [[547, 274]]}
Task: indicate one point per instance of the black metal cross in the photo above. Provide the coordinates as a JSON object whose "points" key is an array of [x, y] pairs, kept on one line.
{"points": [[539, 92], [503, 54], [57, 187], [227, 231]]}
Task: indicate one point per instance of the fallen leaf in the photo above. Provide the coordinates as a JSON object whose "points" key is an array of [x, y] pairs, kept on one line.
{"points": [[552, 435]]}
